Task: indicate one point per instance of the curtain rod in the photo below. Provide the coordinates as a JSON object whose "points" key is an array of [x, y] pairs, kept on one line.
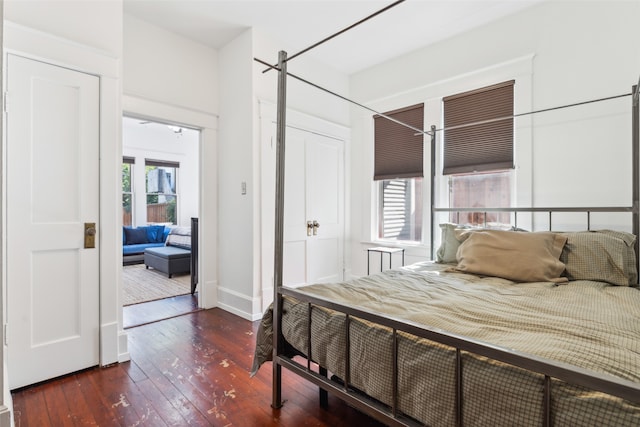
{"points": [[326, 39], [419, 131]]}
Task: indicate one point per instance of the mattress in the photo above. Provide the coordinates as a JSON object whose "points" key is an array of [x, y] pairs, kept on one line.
{"points": [[589, 324]]}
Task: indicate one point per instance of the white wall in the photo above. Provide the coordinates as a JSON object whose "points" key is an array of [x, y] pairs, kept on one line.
{"points": [[301, 97], [242, 87], [95, 23], [164, 67], [156, 141], [236, 164], [581, 51]]}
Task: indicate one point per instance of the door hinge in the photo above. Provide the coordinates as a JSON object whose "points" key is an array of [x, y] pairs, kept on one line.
{"points": [[5, 102], [6, 336]]}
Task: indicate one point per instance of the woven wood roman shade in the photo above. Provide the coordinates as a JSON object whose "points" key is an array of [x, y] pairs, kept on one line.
{"points": [[482, 147], [398, 150]]}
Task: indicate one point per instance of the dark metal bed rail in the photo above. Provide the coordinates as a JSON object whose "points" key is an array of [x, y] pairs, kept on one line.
{"points": [[567, 373], [635, 209]]}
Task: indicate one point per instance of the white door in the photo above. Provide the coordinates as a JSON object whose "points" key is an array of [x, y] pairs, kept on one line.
{"points": [[52, 191], [313, 214]]}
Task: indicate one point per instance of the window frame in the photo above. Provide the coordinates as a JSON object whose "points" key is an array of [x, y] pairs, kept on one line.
{"points": [[131, 161], [150, 163]]}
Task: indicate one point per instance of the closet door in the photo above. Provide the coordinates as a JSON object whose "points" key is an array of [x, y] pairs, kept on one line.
{"points": [[314, 205]]}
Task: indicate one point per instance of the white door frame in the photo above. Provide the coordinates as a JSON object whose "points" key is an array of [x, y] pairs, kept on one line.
{"points": [[207, 124], [43, 47]]}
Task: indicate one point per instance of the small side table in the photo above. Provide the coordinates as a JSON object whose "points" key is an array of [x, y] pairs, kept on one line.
{"points": [[382, 251]]}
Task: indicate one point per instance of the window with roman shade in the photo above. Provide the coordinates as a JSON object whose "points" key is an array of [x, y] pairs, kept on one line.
{"points": [[398, 172], [482, 147], [399, 149]]}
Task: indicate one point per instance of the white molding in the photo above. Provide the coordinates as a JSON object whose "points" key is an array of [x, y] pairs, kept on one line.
{"points": [[303, 121], [44, 47], [123, 347], [109, 334], [237, 303], [145, 108]]}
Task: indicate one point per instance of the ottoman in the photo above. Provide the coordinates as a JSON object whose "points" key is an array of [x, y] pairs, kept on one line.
{"points": [[168, 259]]}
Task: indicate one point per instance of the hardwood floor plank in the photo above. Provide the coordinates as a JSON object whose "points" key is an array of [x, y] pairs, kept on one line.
{"points": [[124, 397], [57, 405], [188, 370], [171, 394], [35, 410], [83, 391]]}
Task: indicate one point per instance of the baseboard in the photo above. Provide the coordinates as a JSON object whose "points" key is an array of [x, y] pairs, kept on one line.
{"points": [[237, 303], [123, 347]]}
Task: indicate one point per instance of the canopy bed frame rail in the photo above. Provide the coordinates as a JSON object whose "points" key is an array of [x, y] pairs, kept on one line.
{"points": [[610, 385]]}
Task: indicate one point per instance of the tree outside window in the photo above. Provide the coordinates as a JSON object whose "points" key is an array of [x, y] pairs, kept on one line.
{"points": [[127, 194]]}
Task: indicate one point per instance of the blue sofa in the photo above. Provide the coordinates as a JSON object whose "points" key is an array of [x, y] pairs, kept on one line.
{"points": [[136, 239]]}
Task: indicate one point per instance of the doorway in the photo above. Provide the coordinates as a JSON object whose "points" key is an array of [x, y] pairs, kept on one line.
{"points": [[160, 202]]}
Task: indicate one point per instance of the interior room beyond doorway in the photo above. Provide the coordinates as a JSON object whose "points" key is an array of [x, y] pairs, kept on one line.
{"points": [[160, 201]]}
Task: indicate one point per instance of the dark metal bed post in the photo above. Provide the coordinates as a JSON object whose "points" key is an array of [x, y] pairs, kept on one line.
{"points": [[433, 186], [281, 128], [635, 120]]}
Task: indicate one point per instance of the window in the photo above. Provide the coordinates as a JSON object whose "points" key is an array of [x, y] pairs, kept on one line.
{"points": [[479, 158], [480, 190], [399, 170], [400, 214], [162, 198], [127, 193]]}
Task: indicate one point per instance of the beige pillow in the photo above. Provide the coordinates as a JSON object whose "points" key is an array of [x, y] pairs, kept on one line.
{"points": [[517, 256], [603, 256]]}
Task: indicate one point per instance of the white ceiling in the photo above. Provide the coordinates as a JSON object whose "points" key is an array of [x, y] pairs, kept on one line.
{"points": [[298, 24]]}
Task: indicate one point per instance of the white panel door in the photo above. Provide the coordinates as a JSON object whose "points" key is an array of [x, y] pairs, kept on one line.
{"points": [[314, 193], [52, 191]]}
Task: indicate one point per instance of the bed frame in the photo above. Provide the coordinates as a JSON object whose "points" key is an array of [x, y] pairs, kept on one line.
{"points": [[389, 415]]}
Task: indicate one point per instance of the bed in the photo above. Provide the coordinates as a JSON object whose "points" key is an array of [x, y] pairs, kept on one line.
{"points": [[587, 324], [508, 327]]}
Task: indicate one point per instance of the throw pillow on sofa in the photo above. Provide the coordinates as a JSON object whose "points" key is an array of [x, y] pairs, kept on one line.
{"points": [[155, 233], [135, 236]]}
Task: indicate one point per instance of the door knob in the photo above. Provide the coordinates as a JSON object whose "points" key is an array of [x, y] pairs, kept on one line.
{"points": [[316, 225], [89, 235], [309, 228]]}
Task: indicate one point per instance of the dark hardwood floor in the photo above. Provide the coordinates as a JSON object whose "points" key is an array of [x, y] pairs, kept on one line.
{"points": [[152, 311], [187, 370]]}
